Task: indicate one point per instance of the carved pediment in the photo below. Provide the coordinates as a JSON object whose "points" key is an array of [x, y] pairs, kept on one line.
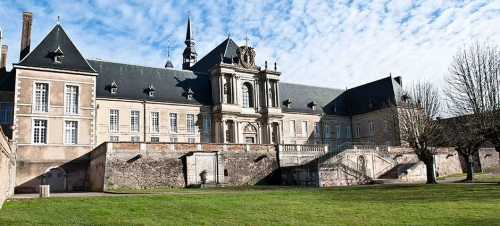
{"points": [[246, 57]]}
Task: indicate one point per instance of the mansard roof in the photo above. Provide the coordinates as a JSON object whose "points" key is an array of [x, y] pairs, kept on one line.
{"points": [[302, 96], [227, 49], [133, 83], [379, 93], [57, 42]]}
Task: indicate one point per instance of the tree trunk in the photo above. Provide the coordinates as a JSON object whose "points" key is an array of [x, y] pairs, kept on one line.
{"points": [[429, 165], [468, 164]]}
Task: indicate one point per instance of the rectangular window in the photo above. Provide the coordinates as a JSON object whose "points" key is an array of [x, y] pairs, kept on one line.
{"points": [[358, 130], [113, 138], [347, 131], [155, 139], [339, 144], [41, 97], [134, 121], [207, 124], [6, 113], [306, 142], [190, 123], [155, 126], [304, 128], [113, 120], [135, 138], [70, 132], [316, 129], [327, 130], [370, 128], [372, 141], [40, 132], [292, 128], [386, 126], [329, 146], [337, 130], [173, 139], [191, 140], [71, 95], [173, 122]]}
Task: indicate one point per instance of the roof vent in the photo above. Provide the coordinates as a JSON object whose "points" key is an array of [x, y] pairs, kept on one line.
{"points": [[113, 87], [151, 90], [190, 94], [58, 54], [287, 103], [312, 105]]}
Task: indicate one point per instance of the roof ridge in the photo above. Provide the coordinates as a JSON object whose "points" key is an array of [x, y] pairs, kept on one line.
{"points": [[39, 42], [139, 65], [312, 86], [371, 82]]}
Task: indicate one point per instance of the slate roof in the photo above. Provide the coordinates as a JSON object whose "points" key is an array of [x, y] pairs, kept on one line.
{"points": [[57, 40], [133, 81], [8, 82], [325, 99], [378, 92], [227, 48]]}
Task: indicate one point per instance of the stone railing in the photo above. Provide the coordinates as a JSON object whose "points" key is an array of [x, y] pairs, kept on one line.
{"points": [[302, 148], [209, 147]]}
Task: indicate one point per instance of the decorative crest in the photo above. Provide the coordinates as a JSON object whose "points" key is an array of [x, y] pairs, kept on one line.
{"points": [[246, 57]]}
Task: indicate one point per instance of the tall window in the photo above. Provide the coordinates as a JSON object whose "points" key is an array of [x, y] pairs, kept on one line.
{"points": [[135, 138], [316, 129], [113, 120], [292, 128], [155, 139], [70, 132], [71, 94], [113, 138], [337, 130], [41, 97], [207, 124], [173, 139], [40, 132], [134, 121], [370, 127], [191, 140], [327, 130], [386, 126], [347, 131], [358, 130], [304, 128], [155, 126], [190, 123], [173, 122], [6, 113], [247, 95]]}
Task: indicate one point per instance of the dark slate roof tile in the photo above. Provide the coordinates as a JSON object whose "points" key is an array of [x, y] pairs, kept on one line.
{"points": [[133, 81], [57, 40], [325, 99], [379, 93], [9, 81], [227, 48]]}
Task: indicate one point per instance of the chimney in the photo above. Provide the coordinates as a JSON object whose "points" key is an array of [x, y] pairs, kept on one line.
{"points": [[399, 80], [26, 35], [3, 56]]}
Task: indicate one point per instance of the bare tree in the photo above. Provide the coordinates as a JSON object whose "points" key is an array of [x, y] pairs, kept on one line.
{"points": [[464, 138], [414, 120], [473, 88]]}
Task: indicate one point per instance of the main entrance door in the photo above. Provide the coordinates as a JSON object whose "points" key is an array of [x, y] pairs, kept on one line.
{"points": [[55, 178]]}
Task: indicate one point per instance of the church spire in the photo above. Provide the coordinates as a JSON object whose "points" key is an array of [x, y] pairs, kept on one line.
{"points": [[189, 55], [169, 63]]}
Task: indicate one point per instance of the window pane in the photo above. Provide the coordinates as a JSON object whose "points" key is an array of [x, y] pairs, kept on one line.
{"points": [[190, 123], [173, 122], [70, 132], [6, 113], [71, 94], [155, 127], [41, 97], [134, 121], [113, 120], [40, 132], [206, 124]]}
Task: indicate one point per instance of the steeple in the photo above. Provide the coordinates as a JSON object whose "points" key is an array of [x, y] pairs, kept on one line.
{"points": [[169, 63], [189, 55]]}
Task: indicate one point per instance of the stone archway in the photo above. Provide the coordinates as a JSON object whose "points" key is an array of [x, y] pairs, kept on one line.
{"points": [[55, 176], [250, 134]]}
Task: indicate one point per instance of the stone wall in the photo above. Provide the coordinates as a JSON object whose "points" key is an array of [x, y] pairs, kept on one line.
{"points": [[248, 168], [488, 159], [7, 169]]}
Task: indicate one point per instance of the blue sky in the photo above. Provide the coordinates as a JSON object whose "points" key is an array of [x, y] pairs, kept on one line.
{"points": [[324, 43]]}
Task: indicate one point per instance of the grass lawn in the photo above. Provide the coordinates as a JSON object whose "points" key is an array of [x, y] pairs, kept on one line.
{"points": [[442, 204], [488, 171]]}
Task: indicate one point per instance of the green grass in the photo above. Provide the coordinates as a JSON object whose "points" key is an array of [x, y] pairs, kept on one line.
{"points": [[196, 190], [465, 174], [487, 179], [442, 204]]}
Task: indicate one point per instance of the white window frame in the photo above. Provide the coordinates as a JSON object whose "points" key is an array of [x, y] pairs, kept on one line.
{"points": [[303, 126], [154, 116], [190, 123], [207, 124], [338, 144], [337, 130], [70, 132], [135, 138], [43, 128], [347, 131], [6, 115], [111, 127], [292, 128], [191, 140], [137, 124], [327, 130], [174, 139], [371, 129], [157, 139], [316, 129], [41, 107], [173, 126], [71, 106], [112, 138], [358, 130]]}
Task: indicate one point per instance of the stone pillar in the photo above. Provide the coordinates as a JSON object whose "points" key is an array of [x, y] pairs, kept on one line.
{"points": [[3, 56], [277, 95], [223, 127], [256, 100], [266, 93]]}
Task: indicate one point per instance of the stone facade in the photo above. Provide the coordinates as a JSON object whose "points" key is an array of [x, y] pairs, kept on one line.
{"points": [[7, 169]]}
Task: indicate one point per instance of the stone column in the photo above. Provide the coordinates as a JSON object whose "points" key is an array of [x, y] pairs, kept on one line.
{"points": [[277, 95], [266, 92], [256, 99], [223, 126]]}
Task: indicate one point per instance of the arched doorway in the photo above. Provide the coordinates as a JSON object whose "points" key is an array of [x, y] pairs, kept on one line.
{"points": [[56, 178], [250, 134]]}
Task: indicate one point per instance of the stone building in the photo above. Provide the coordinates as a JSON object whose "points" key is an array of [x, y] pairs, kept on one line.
{"points": [[57, 106]]}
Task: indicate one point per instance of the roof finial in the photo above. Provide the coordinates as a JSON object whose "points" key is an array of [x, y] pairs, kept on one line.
{"points": [[58, 20], [229, 35], [168, 49], [246, 40], [390, 74]]}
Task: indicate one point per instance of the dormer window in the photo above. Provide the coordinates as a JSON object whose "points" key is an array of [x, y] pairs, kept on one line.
{"points": [[334, 108], [370, 103], [287, 103], [113, 87], [190, 94], [312, 105], [58, 55], [405, 98], [151, 90]]}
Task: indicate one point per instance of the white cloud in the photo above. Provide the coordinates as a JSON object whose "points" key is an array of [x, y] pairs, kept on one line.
{"points": [[326, 43]]}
